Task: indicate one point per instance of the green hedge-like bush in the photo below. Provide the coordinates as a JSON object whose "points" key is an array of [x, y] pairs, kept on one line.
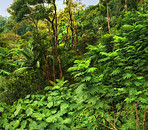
{"points": [[17, 87]]}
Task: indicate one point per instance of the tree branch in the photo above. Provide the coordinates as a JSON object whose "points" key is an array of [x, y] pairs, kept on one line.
{"points": [[144, 119], [137, 116]]}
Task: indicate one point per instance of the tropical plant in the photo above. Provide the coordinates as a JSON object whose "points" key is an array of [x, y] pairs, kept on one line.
{"points": [[50, 111], [7, 58], [110, 79], [107, 87]]}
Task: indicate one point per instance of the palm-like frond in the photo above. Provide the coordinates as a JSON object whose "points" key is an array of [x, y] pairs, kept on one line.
{"points": [[21, 70], [27, 53]]}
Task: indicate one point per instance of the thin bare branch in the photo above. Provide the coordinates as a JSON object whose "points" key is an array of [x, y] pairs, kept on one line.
{"points": [[137, 116], [144, 119]]}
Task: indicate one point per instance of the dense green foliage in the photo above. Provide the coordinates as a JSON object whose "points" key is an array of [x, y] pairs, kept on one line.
{"points": [[106, 74]]}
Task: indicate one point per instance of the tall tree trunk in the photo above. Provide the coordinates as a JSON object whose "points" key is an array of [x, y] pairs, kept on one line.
{"points": [[56, 40], [50, 70], [48, 74], [144, 119], [56, 52], [125, 6], [53, 65], [56, 25], [67, 38], [137, 116], [77, 40], [71, 22], [108, 17]]}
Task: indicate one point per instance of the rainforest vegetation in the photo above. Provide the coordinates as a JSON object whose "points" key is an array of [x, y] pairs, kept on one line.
{"points": [[78, 68]]}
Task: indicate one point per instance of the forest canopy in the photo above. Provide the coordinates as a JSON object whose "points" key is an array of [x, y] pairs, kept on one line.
{"points": [[76, 68]]}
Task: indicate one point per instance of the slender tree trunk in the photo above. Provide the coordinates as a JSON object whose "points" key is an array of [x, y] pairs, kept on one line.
{"points": [[67, 37], [77, 39], [108, 17], [56, 42], [71, 23], [60, 65], [137, 116], [56, 25], [125, 6], [53, 65], [56, 52], [50, 71], [48, 74], [144, 119]]}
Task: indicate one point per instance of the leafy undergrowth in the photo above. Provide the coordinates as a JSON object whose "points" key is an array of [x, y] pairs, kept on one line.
{"points": [[109, 90], [51, 111], [64, 108]]}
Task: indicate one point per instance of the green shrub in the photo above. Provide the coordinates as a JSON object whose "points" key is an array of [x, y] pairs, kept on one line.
{"points": [[29, 82], [53, 110]]}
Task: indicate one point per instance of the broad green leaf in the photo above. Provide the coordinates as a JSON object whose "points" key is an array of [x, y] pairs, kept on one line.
{"points": [[146, 84], [92, 100], [104, 59], [28, 96], [113, 54], [82, 66], [29, 111], [116, 71], [129, 100], [67, 121], [56, 87], [42, 125], [119, 39], [49, 99], [33, 125], [51, 119], [17, 109], [99, 104], [91, 70], [77, 61], [7, 126], [50, 104], [86, 78], [1, 109], [137, 83], [38, 116], [53, 111], [104, 53], [53, 83], [128, 67], [132, 92], [128, 83], [64, 105], [38, 64], [79, 74], [127, 75], [55, 93], [23, 124], [16, 124], [139, 92], [80, 88], [140, 77], [72, 69]]}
